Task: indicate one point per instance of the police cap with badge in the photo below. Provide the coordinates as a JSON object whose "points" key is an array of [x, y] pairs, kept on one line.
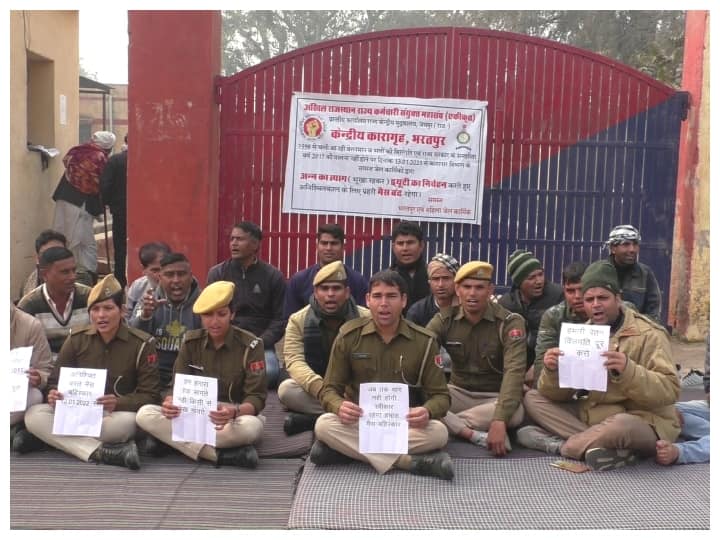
{"points": [[332, 272]]}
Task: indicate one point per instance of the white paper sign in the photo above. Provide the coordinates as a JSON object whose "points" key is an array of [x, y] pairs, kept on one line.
{"points": [[384, 426], [196, 396], [77, 413], [581, 365], [18, 379], [374, 156]]}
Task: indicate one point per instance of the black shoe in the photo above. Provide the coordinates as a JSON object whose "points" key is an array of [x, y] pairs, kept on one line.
{"points": [[242, 456], [25, 442], [122, 455], [14, 430], [150, 446], [297, 423], [439, 465], [321, 454]]}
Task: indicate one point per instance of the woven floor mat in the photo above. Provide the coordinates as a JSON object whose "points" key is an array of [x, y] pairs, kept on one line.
{"points": [[274, 442], [504, 494], [51, 490]]}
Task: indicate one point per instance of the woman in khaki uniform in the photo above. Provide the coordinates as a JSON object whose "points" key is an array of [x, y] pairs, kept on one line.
{"points": [[236, 358], [132, 381]]}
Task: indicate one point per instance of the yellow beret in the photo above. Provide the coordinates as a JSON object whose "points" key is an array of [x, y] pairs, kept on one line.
{"points": [[474, 270], [214, 296], [335, 271], [106, 288]]}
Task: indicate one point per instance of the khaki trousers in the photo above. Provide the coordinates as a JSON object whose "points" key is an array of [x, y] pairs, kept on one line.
{"points": [[243, 430], [345, 438], [474, 410], [117, 427], [296, 399], [617, 431], [34, 397]]}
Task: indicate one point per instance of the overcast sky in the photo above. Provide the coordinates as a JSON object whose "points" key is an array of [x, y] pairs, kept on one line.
{"points": [[104, 43]]}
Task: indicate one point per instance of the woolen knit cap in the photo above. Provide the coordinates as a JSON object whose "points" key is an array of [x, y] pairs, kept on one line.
{"points": [[600, 274], [521, 264]]}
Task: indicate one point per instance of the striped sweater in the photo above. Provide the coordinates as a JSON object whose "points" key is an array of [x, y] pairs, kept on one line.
{"points": [[57, 329]]}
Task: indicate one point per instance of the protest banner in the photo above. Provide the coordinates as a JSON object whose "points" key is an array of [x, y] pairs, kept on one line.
{"points": [[372, 156]]}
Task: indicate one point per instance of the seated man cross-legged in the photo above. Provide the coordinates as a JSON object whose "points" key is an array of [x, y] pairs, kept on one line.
{"points": [[384, 348], [608, 429], [308, 338], [487, 345]]}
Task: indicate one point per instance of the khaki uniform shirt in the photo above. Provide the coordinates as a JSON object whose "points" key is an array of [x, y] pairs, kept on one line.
{"points": [[294, 348], [238, 365], [129, 358], [488, 356], [359, 355]]}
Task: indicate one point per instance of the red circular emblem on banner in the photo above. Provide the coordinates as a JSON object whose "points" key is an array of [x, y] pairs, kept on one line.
{"points": [[312, 127]]}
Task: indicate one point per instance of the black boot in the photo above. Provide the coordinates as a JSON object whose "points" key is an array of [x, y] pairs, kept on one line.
{"points": [[150, 446], [24, 442], [298, 422], [242, 456], [321, 454], [122, 455], [439, 465]]}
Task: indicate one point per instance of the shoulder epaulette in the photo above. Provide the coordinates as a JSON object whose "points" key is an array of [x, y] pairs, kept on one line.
{"points": [[353, 324], [420, 329], [194, 334], [74, 331], [248, 339], [140, 333]]}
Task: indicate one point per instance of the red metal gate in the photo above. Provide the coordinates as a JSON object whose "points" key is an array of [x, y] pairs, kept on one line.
{"points": [[575, 141]]}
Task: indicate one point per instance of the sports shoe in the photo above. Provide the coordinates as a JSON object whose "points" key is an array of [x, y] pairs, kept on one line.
{"points": [[604, 459], [439, 465], [480, 438], [25, 442], [122, 455], [321, 454], [242, 456], [538, 439], [297, 423], [692, 378]]}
